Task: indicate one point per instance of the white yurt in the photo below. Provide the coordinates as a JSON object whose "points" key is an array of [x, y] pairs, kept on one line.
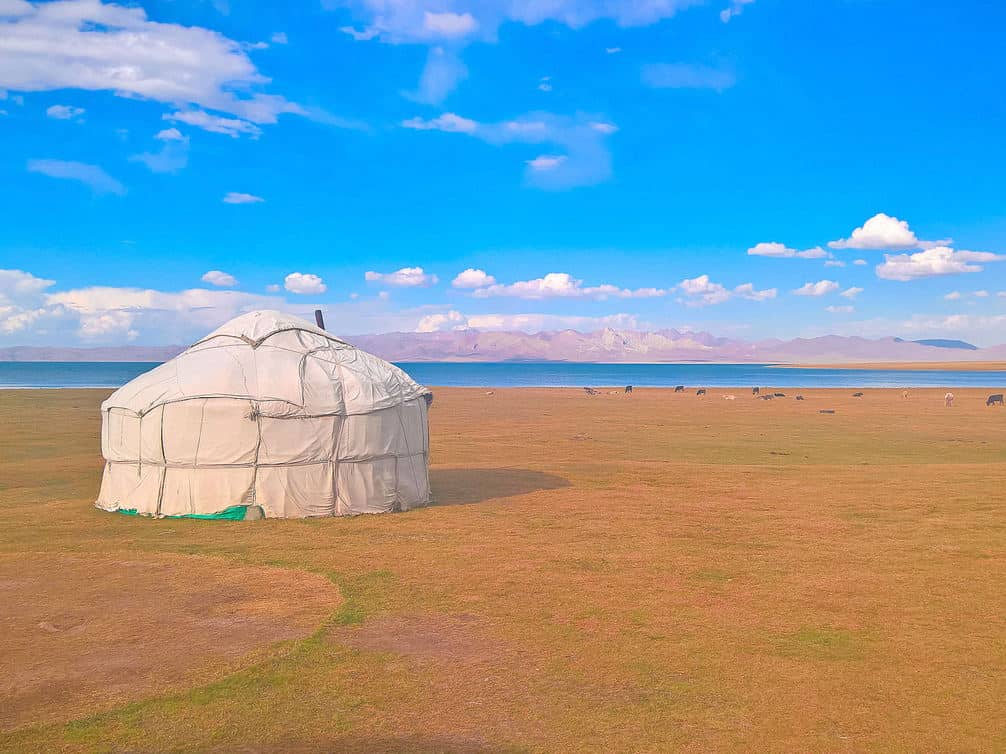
{"points": [[268, 415]]}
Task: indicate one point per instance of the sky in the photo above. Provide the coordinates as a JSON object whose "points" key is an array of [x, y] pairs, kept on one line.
{"points": [[751, 168]]}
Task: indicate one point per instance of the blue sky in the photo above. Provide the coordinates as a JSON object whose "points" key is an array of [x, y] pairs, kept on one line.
{"points": [[768, 168]]}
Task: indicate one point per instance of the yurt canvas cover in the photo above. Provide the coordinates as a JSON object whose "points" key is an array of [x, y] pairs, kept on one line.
{"points": [[266, 412]]}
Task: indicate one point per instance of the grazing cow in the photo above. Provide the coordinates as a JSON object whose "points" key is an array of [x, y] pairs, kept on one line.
{"points": [[729, 397], [995, 399], [491, 392], [700, 391], [779, 395], [766, 397], [948, 399], [628, 388], [826, 411], [591, 391], [799, 397], [857, 395], [679, 389], [755, 390]]}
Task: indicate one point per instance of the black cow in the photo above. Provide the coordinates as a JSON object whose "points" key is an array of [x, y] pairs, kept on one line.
{"points": [[628, 388], [766, 397], [590, 391], [679, 389], [799, 397], [826, 411], [779, 395], [857, 395], [755, 390], [700, 391], [995, 399]]}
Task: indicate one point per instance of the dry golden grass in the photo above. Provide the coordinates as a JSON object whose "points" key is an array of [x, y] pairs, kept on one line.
{"points": [[619, 574]]}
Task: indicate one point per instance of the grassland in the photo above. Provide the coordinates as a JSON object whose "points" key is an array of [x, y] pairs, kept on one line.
{"points": [[614, 574]]}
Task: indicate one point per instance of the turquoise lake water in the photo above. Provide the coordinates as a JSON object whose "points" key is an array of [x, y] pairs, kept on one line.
{"points": [[16, 374]]}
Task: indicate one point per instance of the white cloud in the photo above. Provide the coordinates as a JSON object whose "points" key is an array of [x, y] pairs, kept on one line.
{"points": [[91, 176], [171, 157], [704, 291], [115, 314], [304, 283], [364, 35], [448, 24], [940, 260], [969, 327], [401, 22], [701, 291], [545, 84], [14, 8], [546, 161], [99, 46], [747, 291], [279, 38], [735, 8], [65, 112], [170, 134], [612, 50], [879, 232], [834, 263], [820, 288], [443, 71], [236, 197], [686, 76], [845, 309], [563, 285], [407, 277], [953, 296], [220, 279], [18, 286], [31, 313], [852, 292], [217, 124], [860, 262], [437, 322], [781, 251], [981, 294], [108, 324], [459, 22], [585, 159], [472, 278], [449, 122]]}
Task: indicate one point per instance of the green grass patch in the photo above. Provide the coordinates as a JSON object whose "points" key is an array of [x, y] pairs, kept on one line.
{"points": [[823, 643]]}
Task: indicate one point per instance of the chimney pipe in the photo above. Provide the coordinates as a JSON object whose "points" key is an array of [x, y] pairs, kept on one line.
{"points": [[319, 318]]}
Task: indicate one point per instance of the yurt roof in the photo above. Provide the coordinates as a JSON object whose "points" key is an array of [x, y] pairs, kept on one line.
{"points": [[275, 359]]}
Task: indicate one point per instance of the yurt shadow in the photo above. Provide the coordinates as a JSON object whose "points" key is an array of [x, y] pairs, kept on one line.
{"points": [[467, 486]]}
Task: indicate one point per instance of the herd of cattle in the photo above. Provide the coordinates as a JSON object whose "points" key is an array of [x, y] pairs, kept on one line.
{"points": [[996, 399]]}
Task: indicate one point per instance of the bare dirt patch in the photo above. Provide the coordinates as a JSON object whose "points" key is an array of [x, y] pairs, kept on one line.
{"points": [[79, 633], [444, 638]]}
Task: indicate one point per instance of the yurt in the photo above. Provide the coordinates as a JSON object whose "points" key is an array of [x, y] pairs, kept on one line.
{"points": [[267, 416]]}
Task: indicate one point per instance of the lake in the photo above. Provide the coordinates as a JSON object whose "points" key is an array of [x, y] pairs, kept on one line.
{"points": [[24, 374]]}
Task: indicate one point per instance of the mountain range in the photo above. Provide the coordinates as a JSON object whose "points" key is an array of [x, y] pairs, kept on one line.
{"points": [[607, 345]]}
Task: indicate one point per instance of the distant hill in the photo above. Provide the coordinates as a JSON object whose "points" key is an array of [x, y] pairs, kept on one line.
{"points": [[607, 345], [102, 353], [940, 343]]}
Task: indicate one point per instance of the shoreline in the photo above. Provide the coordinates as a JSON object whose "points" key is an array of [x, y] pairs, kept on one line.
{"points": [[906, 366]]}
